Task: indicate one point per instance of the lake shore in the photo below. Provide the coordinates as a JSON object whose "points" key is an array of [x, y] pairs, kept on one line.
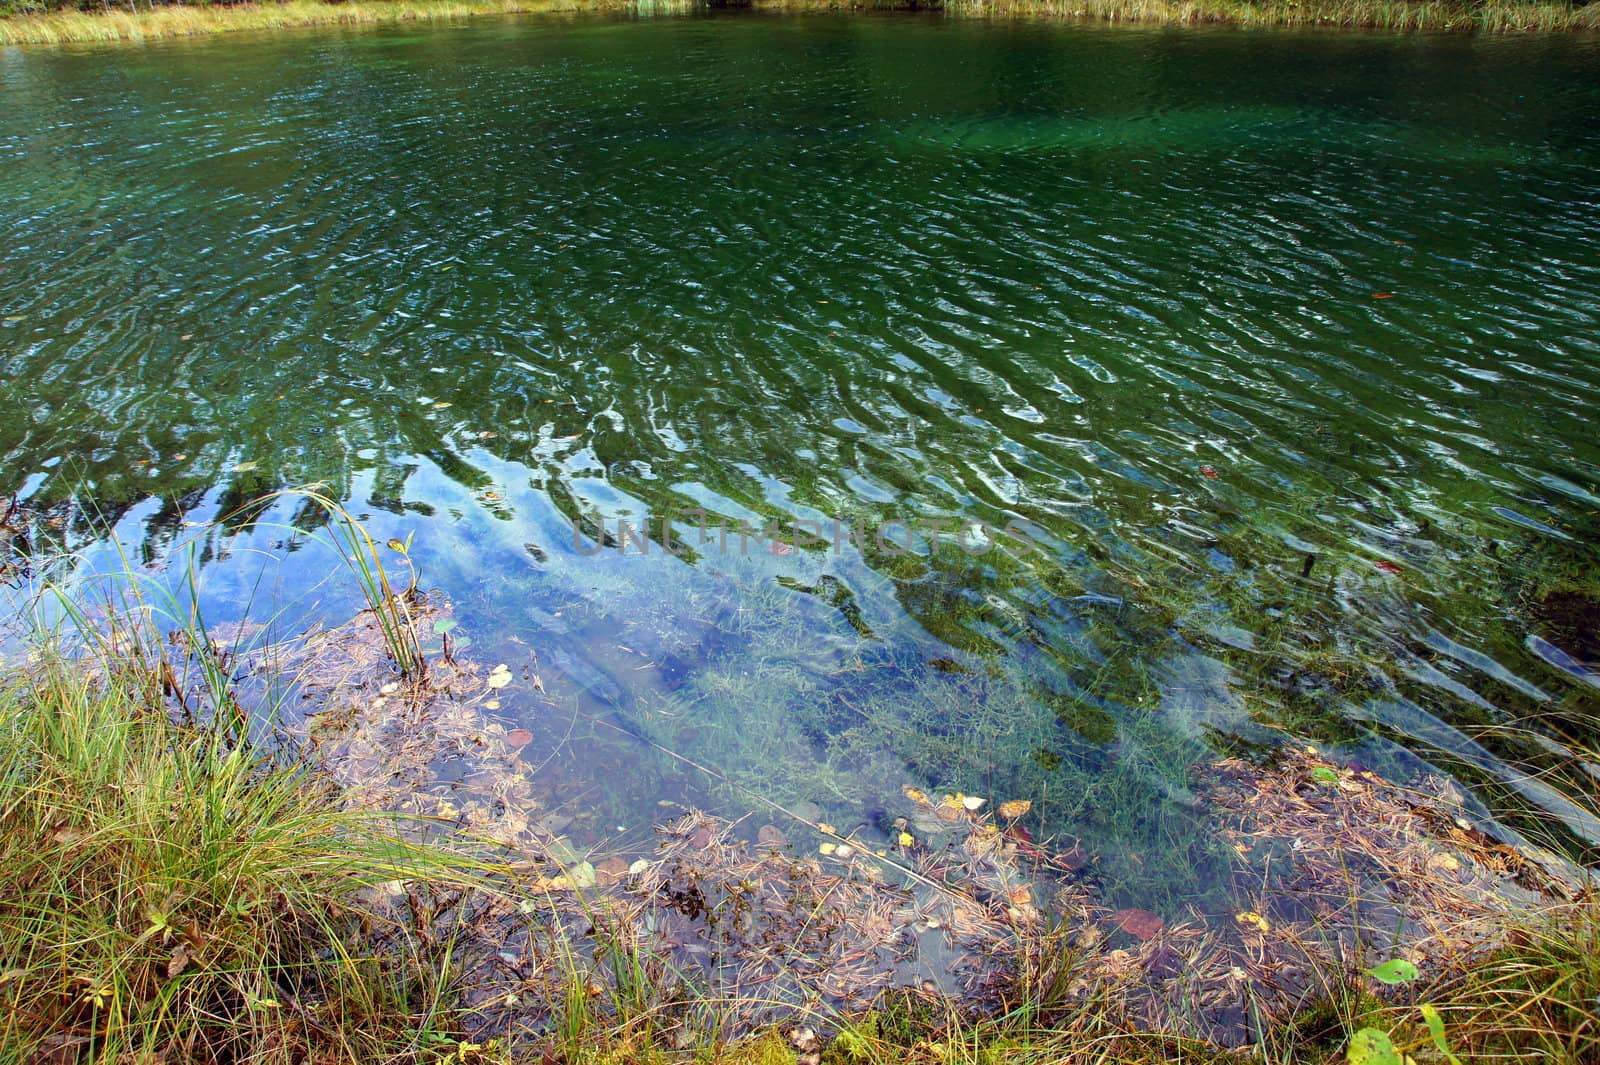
{"points": [[213, 873], [179, 20]]}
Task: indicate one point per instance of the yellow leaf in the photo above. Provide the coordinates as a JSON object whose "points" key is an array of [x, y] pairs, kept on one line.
{"points": [[1251, 919], [500, 676], [1014, 809], [972, 803], [916, 795], [907, 839], [828, 848], [825, 828]]}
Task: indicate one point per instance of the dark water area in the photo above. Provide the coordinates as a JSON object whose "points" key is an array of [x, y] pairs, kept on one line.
{"points": [[1175, 393]]}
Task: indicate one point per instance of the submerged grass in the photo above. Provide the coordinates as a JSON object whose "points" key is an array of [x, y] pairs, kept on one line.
{"points": [[112, 23], [170, 891]]}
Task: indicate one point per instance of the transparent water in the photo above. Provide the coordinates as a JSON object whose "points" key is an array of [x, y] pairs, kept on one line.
{"points": [[1265, 364]]}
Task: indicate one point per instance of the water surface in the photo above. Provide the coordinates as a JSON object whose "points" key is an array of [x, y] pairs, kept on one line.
{"points": [[1264, 364]]}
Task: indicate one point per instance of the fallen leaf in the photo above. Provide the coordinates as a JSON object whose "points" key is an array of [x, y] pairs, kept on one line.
{"points": [[1394, 971], [772, 836], [1140, 924], [907, 839], [972, 803], [244, 467], [825, 828], [915, 795], [1252, 919], [1209, 471], [1383, 295], [519, 737], [1014, 809], [827, 848], [500, 676], [1385, 566]]}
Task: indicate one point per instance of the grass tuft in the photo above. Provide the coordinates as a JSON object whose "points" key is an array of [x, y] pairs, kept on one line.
{"points": [[169, 893]]}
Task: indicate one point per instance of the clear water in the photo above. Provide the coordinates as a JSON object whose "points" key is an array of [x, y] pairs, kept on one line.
{"points": [[1276, 354]]}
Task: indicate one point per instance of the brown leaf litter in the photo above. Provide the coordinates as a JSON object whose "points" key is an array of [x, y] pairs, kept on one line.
{"points": [[737, 920]]}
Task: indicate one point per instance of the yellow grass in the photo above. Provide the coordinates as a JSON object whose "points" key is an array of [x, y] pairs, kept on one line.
{"points": [[1493, 16], [119, 24]]}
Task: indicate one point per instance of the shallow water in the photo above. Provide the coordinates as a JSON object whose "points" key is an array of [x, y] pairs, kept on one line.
{"points": [[1251, 375]]}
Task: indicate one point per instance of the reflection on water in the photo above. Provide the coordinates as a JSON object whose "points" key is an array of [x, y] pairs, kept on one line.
{"points": [[1265, 363]]}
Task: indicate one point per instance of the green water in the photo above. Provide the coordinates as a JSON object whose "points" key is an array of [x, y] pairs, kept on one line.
{"points": [[1266, 361]]}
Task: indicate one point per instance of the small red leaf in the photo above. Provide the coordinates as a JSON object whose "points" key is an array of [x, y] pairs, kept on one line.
{"points": [[519, 737], [1209, 471], [1383, 295], [1386, 566]]}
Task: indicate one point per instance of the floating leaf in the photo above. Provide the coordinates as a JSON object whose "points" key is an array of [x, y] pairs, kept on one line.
{"points": [[1372, 1047], [915, 795], [1383, 295], [639, 867], [500, 676], [1140, 924], [825, 828], [1394, 971], [519, 737], [442, 404], [1385, 566], [1324, 775], [972, 803], [1015, 808], [907, 839], [244, 467], [1209, 471], [444, 625], [828, 848]]}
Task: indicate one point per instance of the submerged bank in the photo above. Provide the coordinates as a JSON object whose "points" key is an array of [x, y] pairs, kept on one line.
{"points": [[384, 882], [182, 20]]}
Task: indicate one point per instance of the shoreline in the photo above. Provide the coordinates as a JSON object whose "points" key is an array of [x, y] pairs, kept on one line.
{"points": [[109, 25]]}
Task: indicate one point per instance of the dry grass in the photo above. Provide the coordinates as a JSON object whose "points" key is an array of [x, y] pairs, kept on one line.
{"points": [[1494, 16], [181, 20]]}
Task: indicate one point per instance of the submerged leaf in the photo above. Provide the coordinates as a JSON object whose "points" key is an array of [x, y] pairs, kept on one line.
{"points": [[1140, 924]]}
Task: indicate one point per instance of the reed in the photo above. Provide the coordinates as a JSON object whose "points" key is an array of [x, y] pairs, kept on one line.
{"points": [[1496, 16], [184, 20]]}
